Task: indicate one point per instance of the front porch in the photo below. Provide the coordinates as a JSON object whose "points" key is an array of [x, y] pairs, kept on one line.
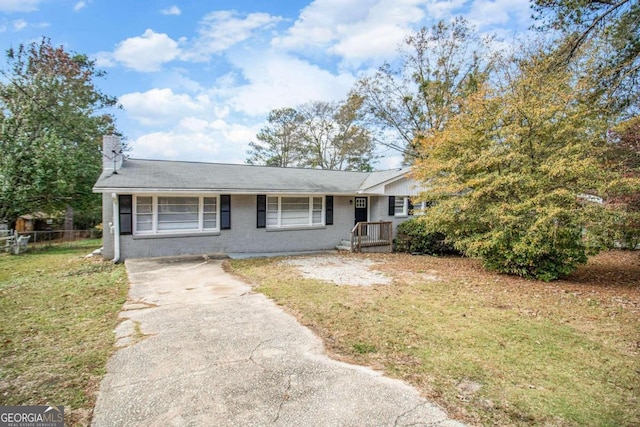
{"points": [[370, 237]]}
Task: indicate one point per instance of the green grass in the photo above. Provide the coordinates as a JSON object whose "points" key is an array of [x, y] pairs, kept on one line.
{"points": [[541, 356], [47, 245], [59, 311]]}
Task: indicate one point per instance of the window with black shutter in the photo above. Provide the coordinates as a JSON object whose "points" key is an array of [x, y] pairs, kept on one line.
{"points": [[392, 205], [261, 217], [225, 212], [328, 215], [125, 203]]}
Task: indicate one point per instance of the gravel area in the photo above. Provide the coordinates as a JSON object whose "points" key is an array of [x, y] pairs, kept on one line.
{"points": [[340, 270]]}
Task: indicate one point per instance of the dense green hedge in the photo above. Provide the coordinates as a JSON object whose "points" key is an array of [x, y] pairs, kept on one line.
{"points": [[413, 237]]}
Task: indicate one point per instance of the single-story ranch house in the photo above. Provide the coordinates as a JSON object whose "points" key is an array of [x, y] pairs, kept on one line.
{"points": [[163, 208]]}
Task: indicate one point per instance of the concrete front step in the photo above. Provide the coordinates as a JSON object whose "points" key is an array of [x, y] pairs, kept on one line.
{"points": [[344, 245]]}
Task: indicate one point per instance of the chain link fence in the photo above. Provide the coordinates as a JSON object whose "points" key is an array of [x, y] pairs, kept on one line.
{"points": [[40, 240]]}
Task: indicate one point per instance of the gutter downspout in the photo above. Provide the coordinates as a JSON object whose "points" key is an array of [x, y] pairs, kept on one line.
{"points": [[116, 228]]}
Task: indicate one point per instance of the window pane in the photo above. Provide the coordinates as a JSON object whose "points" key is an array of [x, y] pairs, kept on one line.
{"points": [[178, 213], [295, 211], [144, 214], [272, 211], [210, 204], [178, 204], [317, 210], [144, 222], [399, 206], [144, 204], [209, 216], [144, 208]]}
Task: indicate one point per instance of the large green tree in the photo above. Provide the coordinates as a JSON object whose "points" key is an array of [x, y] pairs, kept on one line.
{"points": [[613, 26], [624, 192], [279, 141], [334, 137], [514, 171], [51, 122], [319, 134], [418, 94]]}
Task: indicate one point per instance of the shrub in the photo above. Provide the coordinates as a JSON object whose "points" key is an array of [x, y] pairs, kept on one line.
{"points": [[413, 237]]}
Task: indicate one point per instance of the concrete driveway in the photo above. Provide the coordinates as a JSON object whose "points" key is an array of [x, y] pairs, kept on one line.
{"points": [[198, 348]]}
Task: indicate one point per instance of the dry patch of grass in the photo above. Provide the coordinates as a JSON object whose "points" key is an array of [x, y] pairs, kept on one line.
{"points": [[492, 349], [59, 311]]}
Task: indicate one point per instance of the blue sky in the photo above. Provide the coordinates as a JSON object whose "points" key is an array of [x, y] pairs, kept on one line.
{"points": [[197, 78]]}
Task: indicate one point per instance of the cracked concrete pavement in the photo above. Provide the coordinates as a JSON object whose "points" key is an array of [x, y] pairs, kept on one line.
{"points": [[197, 347]]}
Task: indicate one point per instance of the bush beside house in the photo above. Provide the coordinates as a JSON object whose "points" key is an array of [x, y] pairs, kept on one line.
{"points": [[413, 237]]}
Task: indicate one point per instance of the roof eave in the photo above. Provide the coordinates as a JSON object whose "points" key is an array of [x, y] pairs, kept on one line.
{"points": [[128, 190]]}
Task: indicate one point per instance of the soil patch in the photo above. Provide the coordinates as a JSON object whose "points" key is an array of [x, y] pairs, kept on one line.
{"points": [[340, 270]]}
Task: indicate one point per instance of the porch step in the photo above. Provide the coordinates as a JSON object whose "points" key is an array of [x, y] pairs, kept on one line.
{"points": [[344, 245]]}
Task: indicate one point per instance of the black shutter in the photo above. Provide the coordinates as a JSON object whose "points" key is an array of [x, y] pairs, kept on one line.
{"points": [[410, 207], [225, 212], [125, 204], [261, 202], [328, 214], [392, 205]]}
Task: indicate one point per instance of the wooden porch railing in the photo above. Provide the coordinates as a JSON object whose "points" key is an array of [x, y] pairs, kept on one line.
{"points": [[368, 234]]}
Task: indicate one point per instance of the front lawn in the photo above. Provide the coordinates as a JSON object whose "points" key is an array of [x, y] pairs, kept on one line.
{"points": [[491, 349], [59, 311]]}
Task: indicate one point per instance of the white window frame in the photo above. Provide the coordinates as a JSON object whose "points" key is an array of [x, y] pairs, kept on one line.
{"points": [[420, 208], [154, 209], [309, 224], [405, 206]]}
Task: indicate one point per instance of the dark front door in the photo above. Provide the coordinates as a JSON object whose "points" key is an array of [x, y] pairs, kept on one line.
{"points": [[362, 211]]}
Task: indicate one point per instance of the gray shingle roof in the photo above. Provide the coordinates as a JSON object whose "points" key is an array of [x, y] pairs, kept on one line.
{"points": [[158, 175]]}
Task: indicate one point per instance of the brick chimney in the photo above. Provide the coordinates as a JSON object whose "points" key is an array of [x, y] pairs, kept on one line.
{"points": [[112, 155]]}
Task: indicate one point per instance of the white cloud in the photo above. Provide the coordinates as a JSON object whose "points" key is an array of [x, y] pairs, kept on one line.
{"points": [[157, 107], [197, 140], [487, 13], [221, 30], [192, 124], [104, 59], [19, 5], [178, 79], [19, 24], [79, 6], [446, 9], [276, 81], [318, 21], [367, 31], [369, 44], [356, 30], [147, 52], [173, 10]]}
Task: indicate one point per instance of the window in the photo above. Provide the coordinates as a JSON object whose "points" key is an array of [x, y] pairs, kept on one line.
{"points": [[328, 211], [178, 213], [126, 211], [210, 213], [294, 211], [144, 214], [421, 207], [171, 214], [400, 206]]}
